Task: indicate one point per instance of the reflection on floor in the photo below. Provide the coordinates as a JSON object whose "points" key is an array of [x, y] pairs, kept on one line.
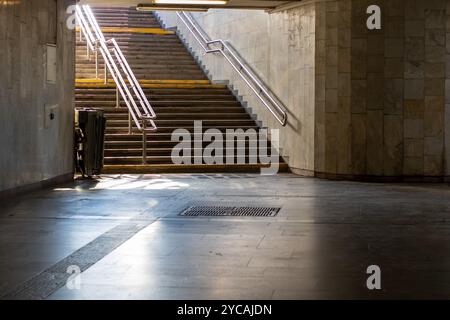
{"points": [[130, 243]]}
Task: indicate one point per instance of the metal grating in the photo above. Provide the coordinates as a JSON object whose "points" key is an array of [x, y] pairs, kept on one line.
{"points": [[196, 211]]}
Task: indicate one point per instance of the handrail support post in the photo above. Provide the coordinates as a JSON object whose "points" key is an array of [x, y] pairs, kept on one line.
{"points": [[117, 97], [129, 123], [96, 64], [144, 143]]}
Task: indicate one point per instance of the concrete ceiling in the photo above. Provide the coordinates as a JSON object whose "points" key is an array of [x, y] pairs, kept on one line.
{"points": [[244, 4]]}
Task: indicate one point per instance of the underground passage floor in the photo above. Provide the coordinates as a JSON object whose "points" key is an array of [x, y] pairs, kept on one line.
{"points": [[126, 236]]}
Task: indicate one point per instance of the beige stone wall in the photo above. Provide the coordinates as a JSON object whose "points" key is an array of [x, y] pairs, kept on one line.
{"points": [[440, 90], [333, 87], [381, 93], [30, 152], [412, 51]]}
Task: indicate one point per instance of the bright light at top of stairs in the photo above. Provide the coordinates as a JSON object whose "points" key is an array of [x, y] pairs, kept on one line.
{"points": [[191, 2]]}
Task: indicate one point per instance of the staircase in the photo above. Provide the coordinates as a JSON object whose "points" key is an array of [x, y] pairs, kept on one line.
{"points": [[174, 84]]}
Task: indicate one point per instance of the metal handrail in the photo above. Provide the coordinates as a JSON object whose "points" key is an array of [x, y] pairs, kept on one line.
{"points": [[246, 74], [117, 64], [115, 72], [149, 112]]}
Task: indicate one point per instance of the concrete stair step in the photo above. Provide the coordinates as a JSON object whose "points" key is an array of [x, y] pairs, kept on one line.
{"points": [[163, 60], [159, 91], [155, 57], [172, 168], [152, 137], [154, 76], [147, 73], [196, 111], [171, 129], [155, 92], [116, 10], [168, 144], [174, 116], [144, 47], [86, 69], [135, 140], [138, 57], [106, 19], [137, 38], [142, 52], [124, 33], [141, 63], [158, 160], [188, 122], [125, 137], [123, 20], [127, 24], [152, 59], [103, 14], [144, 41], [129, 17], [136, 41], [161, 65], [161, 97], [186, 70], [191, 103], [167, 152]]}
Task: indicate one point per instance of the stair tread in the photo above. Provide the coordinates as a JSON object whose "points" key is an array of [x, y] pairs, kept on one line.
{"points": [[185, 168]]}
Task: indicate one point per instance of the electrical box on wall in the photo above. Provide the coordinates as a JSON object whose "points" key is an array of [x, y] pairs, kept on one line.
{"points": [[50, 115], [51, 63]]}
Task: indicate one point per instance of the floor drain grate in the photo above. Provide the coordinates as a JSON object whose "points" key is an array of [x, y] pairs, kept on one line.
{"points": [[195, 211]]}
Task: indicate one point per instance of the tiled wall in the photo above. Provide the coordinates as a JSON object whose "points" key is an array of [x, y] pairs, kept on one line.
{"points": [[333, 87], [412, 51], [381, 93], [30, 152]]}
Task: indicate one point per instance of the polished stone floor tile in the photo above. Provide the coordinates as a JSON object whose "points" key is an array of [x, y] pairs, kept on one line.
{"points": [[318, 247]]}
